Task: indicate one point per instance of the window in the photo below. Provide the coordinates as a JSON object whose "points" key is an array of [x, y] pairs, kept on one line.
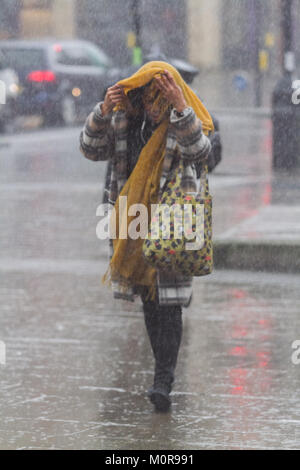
{"points": [[23, 59], [81, 55]]}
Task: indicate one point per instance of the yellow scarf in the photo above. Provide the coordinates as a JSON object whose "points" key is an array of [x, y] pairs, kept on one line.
{"points": [[127, 266]]}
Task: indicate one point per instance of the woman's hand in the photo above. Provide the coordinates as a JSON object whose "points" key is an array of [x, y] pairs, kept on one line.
{"points": [[171, 91], [115, 95]]}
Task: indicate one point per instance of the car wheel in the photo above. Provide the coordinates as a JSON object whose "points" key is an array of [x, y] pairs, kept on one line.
{"points": [[68, 111]]}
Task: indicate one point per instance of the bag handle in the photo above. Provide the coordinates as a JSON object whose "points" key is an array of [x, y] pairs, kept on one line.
{"points": [[191, 184], [203, 189]]}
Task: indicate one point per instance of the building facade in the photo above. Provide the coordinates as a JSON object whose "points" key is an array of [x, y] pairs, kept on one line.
{"points": [[210, 33], [9, 18], [110, 22], [37, 18], [230, 34]]}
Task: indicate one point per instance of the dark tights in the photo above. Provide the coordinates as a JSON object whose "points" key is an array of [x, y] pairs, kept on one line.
{"points": [[164, 327]]}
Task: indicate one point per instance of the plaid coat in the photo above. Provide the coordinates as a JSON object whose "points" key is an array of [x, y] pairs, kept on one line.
{"points": [[105, 138]]}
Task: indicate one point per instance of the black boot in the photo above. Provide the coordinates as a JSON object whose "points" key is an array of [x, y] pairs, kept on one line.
{"points": [[164, 327]]}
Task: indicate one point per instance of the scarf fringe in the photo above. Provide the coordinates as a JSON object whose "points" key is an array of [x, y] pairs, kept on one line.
{"points": [[123, 288]]}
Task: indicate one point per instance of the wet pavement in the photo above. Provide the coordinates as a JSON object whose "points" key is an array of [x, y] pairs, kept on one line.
{"points": [[78, 363], [256, 211]]}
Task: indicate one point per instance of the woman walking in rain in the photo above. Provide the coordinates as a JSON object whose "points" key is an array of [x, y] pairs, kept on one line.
{"points": [[145, 126]]}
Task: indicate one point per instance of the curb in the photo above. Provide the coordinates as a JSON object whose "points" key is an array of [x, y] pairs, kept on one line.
{"points": [[257, 256]]}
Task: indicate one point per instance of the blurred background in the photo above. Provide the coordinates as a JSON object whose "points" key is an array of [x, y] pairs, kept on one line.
{"points": [[235, 44]]}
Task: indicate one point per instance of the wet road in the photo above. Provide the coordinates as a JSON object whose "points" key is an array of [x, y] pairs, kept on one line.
{"points": [[78, 363]]}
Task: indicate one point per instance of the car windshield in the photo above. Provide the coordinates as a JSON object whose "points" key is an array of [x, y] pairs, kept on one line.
{"points": [[23, 59], [81, 55]]}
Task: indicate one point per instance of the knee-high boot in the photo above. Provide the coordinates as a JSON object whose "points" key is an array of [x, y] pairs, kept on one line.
{"points": [[168, 341], [164, 328]]}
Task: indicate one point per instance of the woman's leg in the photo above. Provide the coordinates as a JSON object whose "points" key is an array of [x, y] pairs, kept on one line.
{"points": [[168, 343], [164, 328]]}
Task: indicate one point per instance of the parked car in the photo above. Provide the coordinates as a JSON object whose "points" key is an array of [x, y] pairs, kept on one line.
{"points": [[60, 80], [10, 89]]}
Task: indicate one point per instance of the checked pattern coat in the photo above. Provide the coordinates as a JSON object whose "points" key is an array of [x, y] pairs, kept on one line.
{"points": [[108, 138]]}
